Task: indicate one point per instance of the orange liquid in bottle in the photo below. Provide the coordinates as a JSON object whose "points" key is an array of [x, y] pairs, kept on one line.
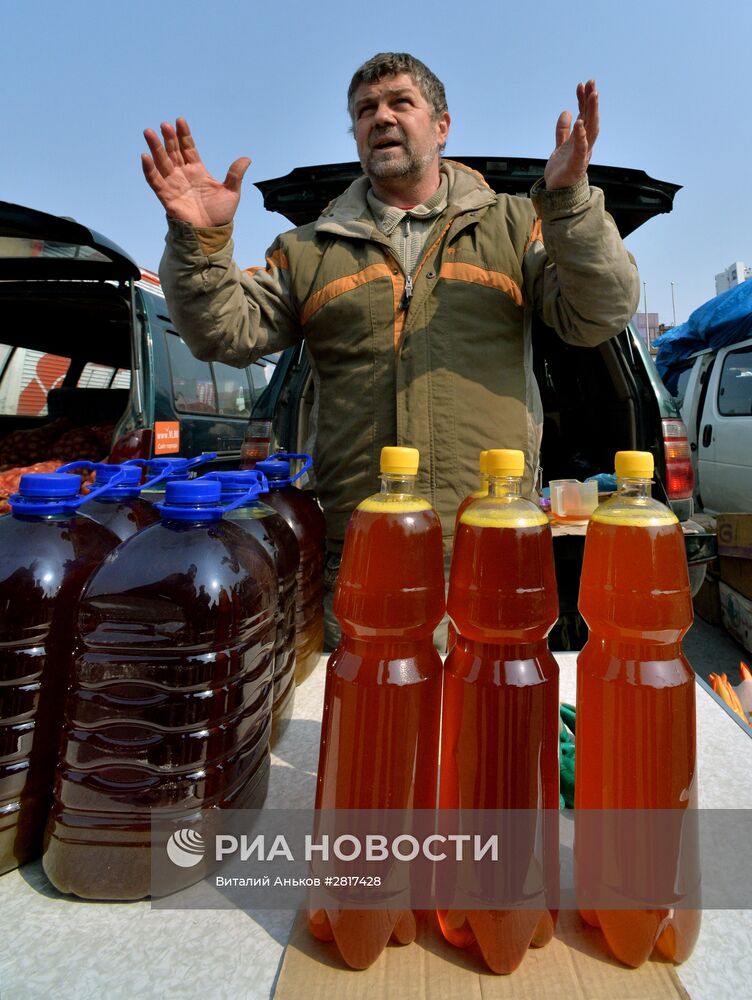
{"points": [[636, 741], [382, 705], [464, 504], [499, 742]]}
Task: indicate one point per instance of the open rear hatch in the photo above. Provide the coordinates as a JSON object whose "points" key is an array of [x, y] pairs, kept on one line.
{"points": [[65, 345], [632, 197], [40, 246]]}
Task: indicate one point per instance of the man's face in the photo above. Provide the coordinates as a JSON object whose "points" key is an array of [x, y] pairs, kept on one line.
{"points": [[394, 128]]}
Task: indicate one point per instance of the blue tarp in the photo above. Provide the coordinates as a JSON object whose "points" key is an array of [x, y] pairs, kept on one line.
{"points": [[721, 321]]}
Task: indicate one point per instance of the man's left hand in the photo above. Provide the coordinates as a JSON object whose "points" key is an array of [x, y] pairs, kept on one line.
{"points": [[568, 163]]}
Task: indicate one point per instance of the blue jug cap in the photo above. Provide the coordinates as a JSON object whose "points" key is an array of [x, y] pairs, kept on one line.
{"points": [[45, 493], [274, 468], [191, 500], [49, 484], [277, 468]]}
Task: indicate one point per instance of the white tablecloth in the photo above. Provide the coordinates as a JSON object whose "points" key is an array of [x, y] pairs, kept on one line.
{"points": [[57, 948]]}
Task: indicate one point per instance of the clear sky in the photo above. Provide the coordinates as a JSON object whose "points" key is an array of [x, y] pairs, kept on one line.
{"points": [[83, 78]]}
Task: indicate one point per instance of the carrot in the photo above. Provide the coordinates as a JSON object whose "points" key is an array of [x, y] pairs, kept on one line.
{"points": [[727, 694]]}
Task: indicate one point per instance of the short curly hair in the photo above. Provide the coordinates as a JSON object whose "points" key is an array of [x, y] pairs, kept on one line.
{"points": [[386, 64]]}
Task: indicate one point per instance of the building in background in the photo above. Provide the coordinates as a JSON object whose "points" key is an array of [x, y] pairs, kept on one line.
{"points": [[734, 275], [647, 328]]}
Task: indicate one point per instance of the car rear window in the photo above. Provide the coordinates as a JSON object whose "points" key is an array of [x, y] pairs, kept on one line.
{"points": [[103, 377], [26, 378], [19, 248]]}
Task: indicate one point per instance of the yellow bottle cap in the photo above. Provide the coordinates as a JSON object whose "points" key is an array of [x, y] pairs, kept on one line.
{"points": [[505, 462], [634, 465], [483, 463], [400, 461]]}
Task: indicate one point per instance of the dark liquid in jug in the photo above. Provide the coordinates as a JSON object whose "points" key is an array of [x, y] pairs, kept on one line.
{"points": [[170, 702], [44, 563]]}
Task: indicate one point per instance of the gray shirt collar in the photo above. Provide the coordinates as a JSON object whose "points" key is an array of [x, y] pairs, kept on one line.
{"points": [[388, 217]]}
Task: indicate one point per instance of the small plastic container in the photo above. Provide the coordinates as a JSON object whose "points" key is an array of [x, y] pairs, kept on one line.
{"points": [[573, 501]]}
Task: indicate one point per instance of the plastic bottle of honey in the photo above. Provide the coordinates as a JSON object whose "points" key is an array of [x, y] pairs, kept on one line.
{"points": [[306, 519], [48, 550], [500, 734], [636, 736], [382, 702], [169, 703], [122, 508], [277, 539], [482, 490]]}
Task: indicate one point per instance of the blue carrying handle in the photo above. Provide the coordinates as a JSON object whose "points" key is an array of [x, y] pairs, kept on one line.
{"points": [[144, 462], [306, 459], [254, 489], [252, 493], [92, 494], [239, 500], [190, 463]]}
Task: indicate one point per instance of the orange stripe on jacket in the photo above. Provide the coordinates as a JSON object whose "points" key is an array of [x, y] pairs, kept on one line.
{"points": [[480, 276], [276, 259], [536, 234], [341, 285]]}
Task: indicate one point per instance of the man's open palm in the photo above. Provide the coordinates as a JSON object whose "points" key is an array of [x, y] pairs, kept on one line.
{"points": [[182, 183], [574, 146]]}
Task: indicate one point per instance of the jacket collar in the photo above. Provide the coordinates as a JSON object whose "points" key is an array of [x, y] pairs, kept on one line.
{"points": [[349, 214]]}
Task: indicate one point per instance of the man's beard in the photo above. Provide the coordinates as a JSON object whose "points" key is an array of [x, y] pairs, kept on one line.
{"points": [[408, 162]]}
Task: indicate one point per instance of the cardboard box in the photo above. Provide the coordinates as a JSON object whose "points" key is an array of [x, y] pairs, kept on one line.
{"points": [[707, 600], [736, 612], [574, 966], [734, 536], [737, 573]]}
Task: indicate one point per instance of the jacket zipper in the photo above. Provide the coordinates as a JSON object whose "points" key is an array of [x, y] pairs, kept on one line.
{"points": [[408, 293]]}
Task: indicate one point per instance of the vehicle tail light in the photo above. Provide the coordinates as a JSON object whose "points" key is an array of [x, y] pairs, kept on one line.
{"points": [[256, 443], [134, 444], [680, 475]]}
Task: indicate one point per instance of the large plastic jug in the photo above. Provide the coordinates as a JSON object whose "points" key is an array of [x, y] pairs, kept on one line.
{"points": [[500, 716], [636, 736], [169, 705], [306, 519], [382, 702], [121, 509], [48, 550], [166, 467], [276, 537]]}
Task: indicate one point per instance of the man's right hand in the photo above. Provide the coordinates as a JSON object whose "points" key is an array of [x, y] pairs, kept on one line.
{"points": [[182, 183]]}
